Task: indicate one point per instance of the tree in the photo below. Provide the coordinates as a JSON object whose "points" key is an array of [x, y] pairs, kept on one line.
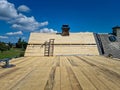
{"points": [[4, 46], [10, 44], [21, 44]]}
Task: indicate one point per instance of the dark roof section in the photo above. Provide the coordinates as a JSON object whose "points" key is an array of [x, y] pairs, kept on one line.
{"points": [[116, 27]]}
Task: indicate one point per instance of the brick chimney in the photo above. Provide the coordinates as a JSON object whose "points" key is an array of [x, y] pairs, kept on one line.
{"points": [[65, 30]]}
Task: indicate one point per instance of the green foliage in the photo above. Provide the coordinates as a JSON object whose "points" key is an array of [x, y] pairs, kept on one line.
{"points": [[21, 54], [4, 47], [21, 44], [7, 50], [10, 44], [13, 52]]}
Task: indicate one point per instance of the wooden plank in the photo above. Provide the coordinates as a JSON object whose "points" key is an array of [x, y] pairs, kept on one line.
{"points": [[57, 83], [34, 83], [59, 73], [83, 80], [65, 83]]}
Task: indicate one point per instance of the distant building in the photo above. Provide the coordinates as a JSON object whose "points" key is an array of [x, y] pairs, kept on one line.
{"points": [[65, 43]]}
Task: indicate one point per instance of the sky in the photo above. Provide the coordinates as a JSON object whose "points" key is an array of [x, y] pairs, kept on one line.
{"points": [[18, 18]]}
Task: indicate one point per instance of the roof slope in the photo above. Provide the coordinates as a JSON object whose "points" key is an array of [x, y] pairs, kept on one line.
{"points": [[74, 44], [73, 38]]}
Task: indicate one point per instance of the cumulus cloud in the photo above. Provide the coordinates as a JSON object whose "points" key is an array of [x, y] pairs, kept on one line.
{"points": [[26, 23], [23, 8], [23, 38], [7, 10], [46, 30], [3, 37], [18, 20], [44, 23], [15, 33]]}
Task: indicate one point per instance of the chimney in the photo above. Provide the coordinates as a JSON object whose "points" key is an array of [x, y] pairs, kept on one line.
{"points": [[65, 30]]}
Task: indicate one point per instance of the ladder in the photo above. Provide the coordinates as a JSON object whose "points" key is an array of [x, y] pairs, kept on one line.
{"points": [[46, 51], [49, 48]]}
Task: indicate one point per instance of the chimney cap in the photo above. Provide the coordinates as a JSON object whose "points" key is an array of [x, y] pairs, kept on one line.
{"points": [[65, 25]]}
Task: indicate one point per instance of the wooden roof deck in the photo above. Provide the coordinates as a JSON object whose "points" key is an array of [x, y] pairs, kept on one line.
{"points": [[73, 38], [78, 43], [62, 73]]}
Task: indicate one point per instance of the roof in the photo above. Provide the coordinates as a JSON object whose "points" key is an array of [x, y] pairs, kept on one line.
{"points": [[73, 38], [116, 27], [61, 73]]}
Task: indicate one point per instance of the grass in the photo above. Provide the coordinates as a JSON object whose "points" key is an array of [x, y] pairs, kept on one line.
{"points": [[14, 52]]}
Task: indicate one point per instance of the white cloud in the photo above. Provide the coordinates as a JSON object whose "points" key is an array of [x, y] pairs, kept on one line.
{"points": [[7, 10], [3, 37], [44, 23], [26, 23], [15, 33], [46, 30], [18, 21], [23, 38], [23, 8]]}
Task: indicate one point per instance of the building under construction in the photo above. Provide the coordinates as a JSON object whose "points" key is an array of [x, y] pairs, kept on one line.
{"points": [[66, 43], [66, 61]]}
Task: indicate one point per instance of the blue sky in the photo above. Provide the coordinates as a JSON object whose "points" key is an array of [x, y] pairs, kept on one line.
{"points": [[20, 17]]}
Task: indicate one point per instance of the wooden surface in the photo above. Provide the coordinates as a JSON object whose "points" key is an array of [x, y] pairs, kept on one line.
{"points": [[74, 44], [63, 50], [62, 73], [73, 38]]}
